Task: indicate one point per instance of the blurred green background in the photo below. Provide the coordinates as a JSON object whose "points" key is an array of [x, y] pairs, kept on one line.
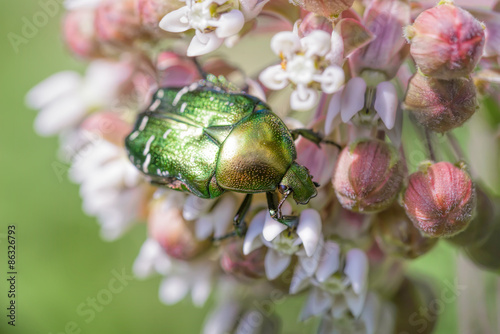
{"points": [[61, 260]]}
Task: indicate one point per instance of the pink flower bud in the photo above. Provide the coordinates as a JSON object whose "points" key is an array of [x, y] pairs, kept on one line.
{"points": [[79, 33], [150, 13], [243, 267], [368, 176], [441, 105], [396, 234], [327, 8], [117, 22], [176, 235], [109, 125], [446, 41], [440, 199]]}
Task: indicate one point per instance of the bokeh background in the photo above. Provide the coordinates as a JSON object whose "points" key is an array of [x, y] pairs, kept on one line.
{"points": [[61, 260]]}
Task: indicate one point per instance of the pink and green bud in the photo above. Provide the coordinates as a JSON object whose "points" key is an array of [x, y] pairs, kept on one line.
{"points": [[396, 234], [441, 105], [447, 42], [176, 235], [440, 199], [243, 267], [368, 176]]}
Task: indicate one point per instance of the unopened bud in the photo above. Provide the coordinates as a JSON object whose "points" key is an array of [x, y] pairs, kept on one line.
{"points": [[446, 41], [396, 234], [79, 33], [243, 267], [368, 176], [329, 8], [440, 199], [176, 235], [441, 105], [116, 22]]}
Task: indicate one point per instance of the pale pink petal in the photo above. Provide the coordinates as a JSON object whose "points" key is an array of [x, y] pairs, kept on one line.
{"points": [[303, 98], [286, 43], [356, 269], [353, 98], [255, 228], [173, 289], [64, 113], [203, 43], [355, 302], [275, 263], [318, 302], [309, 230], [371, 313], [333, 112], [229, 24], [386, 103], [52, 88], [329, 262], [255, 89], [274, 77], [176, 21]]}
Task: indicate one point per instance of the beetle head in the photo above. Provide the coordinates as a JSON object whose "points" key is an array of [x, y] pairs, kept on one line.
{"points": [[297, 179]]}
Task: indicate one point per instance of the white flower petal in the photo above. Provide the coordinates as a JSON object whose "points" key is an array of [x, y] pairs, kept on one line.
{"points": [[223, 319], [309, 230], [204, 227], [303, 98], [316, 43], [329, 262], [223, 215], [336, 54], [274, 77], [333, 112], [173, 289], [356, 269], [386, 103], [371, 313], [53, 88], [396, 132], [201, 287], [203, 43], [255, 228], [64, 113], [229, 24], [300, 280], [275, 263], [332, 79], [195, 206], [318, 302], [285, 43], [176, 21], [310, 263], [252, 8], [355, 302], [144, 263], [272, 228], [353, 98]]}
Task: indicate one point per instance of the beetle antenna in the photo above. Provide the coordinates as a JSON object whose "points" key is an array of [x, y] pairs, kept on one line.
{"points": [[202, 73]]}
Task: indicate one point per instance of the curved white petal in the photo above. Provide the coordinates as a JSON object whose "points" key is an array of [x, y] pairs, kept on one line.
{"points": [[255, 89], [396, 132], [303, 98], [353, 98], [317, 43], [203, 43], [64, 113], [318, 302], [329, 262], [286, 43], [52, 88], [255, 228], [201, 288], [252, 8], [229, 24], [332, 79], [309, 230], [144, 263], [223, 319], [274, 77], [356, 269], [336, 54], [173, 289], [309, 264], [371, 313], [204, 227], [300, 280], [176, 21], [195, 206], [275, 263], [272, 228], [386, 103], [333, 112], [355, 302]]}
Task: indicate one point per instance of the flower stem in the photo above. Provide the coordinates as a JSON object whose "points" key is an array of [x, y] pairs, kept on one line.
{"points": [[432, 155]]}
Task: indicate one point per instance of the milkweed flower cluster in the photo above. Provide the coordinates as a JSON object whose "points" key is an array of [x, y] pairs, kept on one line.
{"points": [[368, 76]]}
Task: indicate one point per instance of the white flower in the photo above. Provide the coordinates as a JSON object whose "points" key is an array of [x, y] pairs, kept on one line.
{"points": [[308, 63], [351, 99], [111, 187], [65, 98], [339, 282], [151, 259], [212, 20], [264, 230]]}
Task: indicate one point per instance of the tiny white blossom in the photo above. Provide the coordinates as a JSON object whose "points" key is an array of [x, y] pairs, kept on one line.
{"points": [[308, 63]]}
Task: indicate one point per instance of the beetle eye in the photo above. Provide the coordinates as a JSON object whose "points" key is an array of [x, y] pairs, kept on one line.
{"points": [[282, 189]]}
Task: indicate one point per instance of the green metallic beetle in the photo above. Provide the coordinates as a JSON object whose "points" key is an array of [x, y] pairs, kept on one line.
{"points": [[205, 139]]}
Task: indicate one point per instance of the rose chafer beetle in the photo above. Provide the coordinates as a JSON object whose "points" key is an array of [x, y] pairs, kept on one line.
{"points": [[206, 139]]}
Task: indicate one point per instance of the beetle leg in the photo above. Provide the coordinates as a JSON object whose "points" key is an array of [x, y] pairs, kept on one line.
{"points": [[240, 226], [275, 211], [200, 70], [315, 137]]}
